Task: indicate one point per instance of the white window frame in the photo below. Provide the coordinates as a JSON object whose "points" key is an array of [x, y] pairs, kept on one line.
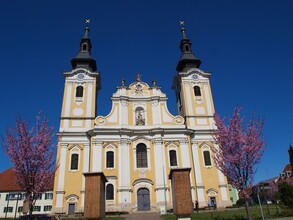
{"points": [[173, 147], [108, 148], [110, 200], [148, 155], [206, 147], [75, 149], [79, 99]]}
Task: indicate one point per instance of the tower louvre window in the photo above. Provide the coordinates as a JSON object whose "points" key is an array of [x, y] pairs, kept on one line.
{"points": [[141, 156], [74, 162], [110, 192], [173, 158], [186, 48], [79, 92], [196, 90], [84, 47], [110, 159], [207, 158]]}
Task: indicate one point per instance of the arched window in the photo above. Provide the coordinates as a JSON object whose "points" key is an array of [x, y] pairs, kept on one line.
{"points": [[110, 192], [186, 48], [110, 159], [196, 90], [141, 156], [173, 158], [79, 92], [84, 47], [207, 158], [74, 162]]}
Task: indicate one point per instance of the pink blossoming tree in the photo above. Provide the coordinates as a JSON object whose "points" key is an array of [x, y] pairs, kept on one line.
{"points": [[241, 146], [31, 152]]}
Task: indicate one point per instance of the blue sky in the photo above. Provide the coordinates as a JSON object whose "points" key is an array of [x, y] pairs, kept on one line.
{"points": [[246, 45]]}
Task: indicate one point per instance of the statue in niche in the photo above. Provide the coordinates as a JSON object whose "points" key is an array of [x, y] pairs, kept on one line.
{"points": [[140, 118]]}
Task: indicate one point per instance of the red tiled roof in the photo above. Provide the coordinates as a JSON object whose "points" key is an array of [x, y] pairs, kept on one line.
{"points": [[8, 181], [288, 167]]}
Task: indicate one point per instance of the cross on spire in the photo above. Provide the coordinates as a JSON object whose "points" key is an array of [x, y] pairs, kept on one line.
{"points": [[182, 28], [181, 22]]}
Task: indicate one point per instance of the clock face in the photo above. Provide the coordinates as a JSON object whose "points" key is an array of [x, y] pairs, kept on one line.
{"points": [[80, 76], [194, 76]]}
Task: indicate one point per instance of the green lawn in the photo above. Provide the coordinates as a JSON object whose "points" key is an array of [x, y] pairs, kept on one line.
{"points": [[236, 214], [227, 214]]}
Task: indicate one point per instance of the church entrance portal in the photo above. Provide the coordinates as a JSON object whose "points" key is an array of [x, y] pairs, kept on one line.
{"points": [[143, 199], [71, 209]]}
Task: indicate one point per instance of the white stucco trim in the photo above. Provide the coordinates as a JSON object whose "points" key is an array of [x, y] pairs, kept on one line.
{"points": [[223, 185], [197, 172], [185, 157], [61, 168], [97, 157]]}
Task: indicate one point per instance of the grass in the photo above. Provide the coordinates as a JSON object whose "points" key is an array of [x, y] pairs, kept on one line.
{"points": [[226, 214], [236, 214]]}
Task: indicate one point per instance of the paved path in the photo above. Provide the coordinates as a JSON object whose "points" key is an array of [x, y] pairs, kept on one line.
{"points": [[143, 216]]}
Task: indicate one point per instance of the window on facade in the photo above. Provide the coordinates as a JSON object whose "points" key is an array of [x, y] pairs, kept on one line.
{"points": [[173, 158], [47, 208], [48, 196], [20, 208], [39, 196], [37, 208], [8, 209], [74, 162], [141, 156], [207, 158], [84, 47], [110, 159], [110, 192], [14, 196], [231, 198], [186, 48], [196, 90], [79, 92]]}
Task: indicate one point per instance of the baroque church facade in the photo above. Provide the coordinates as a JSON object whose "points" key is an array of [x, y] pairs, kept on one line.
{"points": [[139, 141]]}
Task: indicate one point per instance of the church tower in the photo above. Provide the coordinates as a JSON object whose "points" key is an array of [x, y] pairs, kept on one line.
{"points": [[77, 118], [81, 89], [192, 88], [195, 105]]}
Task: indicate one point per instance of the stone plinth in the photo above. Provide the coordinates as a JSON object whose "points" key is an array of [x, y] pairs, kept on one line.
{"points": [[94, 204], [181, 192]]}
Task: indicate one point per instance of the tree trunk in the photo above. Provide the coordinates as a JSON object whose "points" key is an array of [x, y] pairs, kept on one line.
{"points": [[247, 209]]}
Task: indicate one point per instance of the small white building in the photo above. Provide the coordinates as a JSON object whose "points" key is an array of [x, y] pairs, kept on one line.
{"points": [[12, 197]]}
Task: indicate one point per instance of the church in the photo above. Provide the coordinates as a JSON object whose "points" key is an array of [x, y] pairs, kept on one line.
{"points": [[138, 143]]}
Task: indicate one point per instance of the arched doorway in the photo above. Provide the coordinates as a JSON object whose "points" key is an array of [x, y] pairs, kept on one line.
{"points": [[143, 199]]}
